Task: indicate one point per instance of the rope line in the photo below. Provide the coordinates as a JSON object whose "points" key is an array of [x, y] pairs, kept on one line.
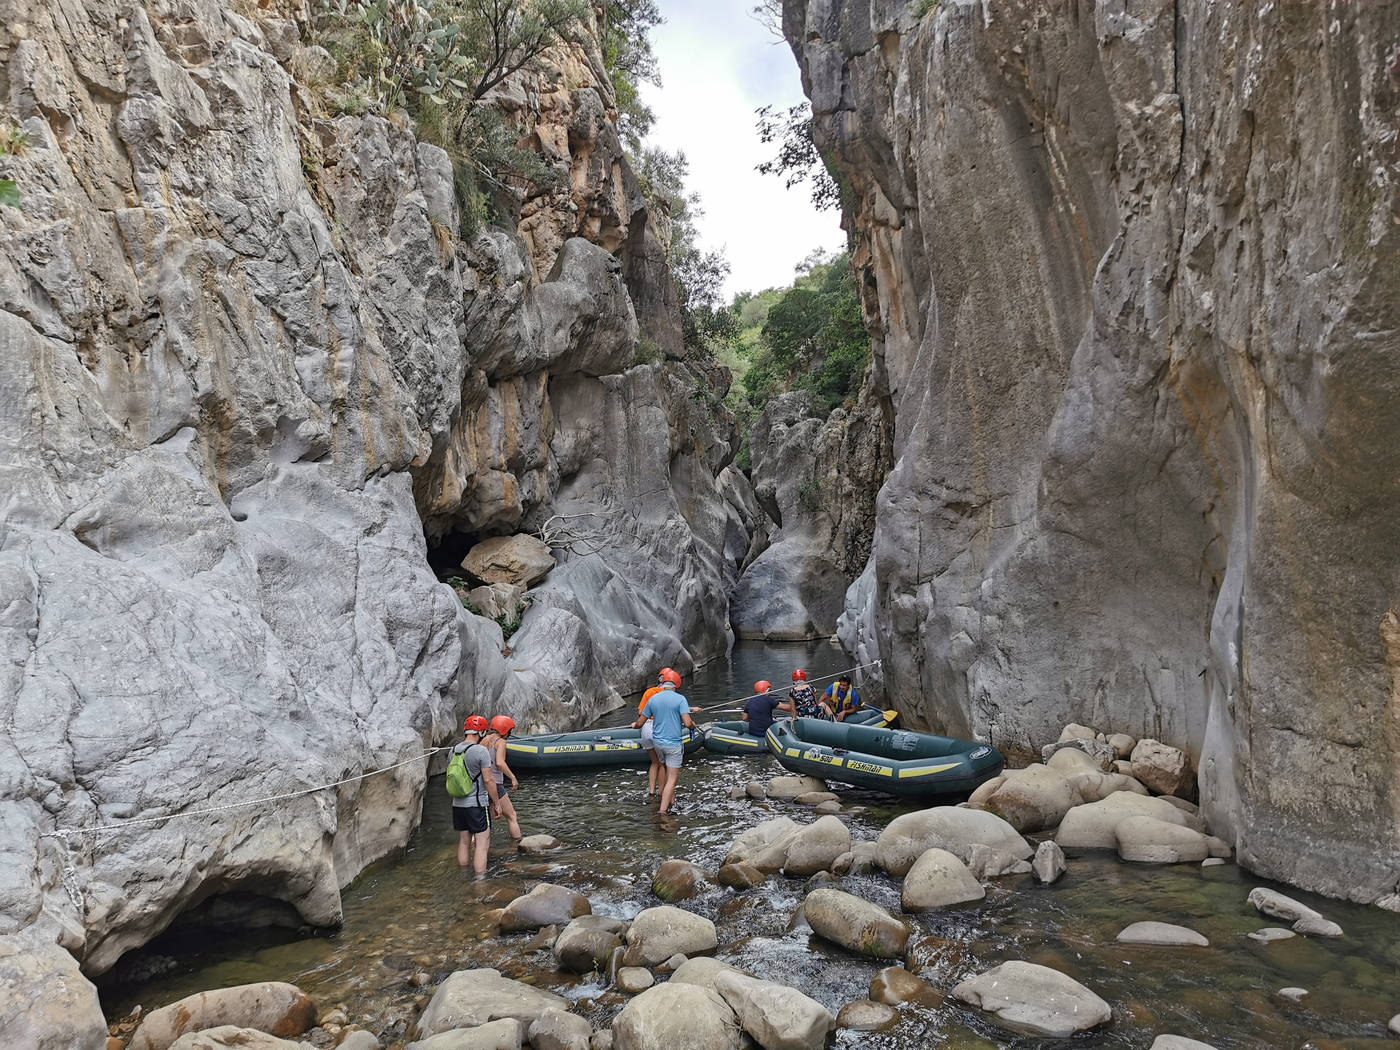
{"points": [[67, 833], [723, 704]]}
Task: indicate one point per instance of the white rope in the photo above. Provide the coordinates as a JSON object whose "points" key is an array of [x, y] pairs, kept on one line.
{"points": [[735, 703], [67, 833]]}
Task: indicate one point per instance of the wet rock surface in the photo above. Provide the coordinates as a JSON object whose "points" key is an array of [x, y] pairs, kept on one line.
{"points": [[1034, 1000]]}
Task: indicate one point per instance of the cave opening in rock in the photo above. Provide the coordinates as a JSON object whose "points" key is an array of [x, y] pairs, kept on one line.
{"points": [[446, 551], [222, 929]]}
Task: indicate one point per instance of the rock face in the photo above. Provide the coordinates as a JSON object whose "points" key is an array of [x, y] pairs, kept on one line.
{"points": [[1135, 321], [257, 383]]}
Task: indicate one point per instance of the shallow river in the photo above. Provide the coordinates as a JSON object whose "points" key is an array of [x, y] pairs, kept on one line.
{"points": [[420, 914]]}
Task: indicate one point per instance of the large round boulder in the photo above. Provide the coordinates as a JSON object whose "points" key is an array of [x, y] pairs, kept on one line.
{"points": [[701, 971], [866, 1016], [273, 1007], [559, 1030], [518, 559], [469, 998], [815, 847], [545, 905], [1161, 933], [505, 1034], [1152, 841], [1033, 798], [1034, 1000], [1095, 825], [756, 840], [938, 879], [670, 1016], [587, 943], [231, 1037], [948, 827], [855, 924], [659, 933], [788, 788], [895, 985], [1095, 785], [778, 1017], [677, 880]]}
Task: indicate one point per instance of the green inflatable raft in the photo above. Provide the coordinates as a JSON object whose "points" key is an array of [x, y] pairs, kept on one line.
{"points": [[895, 761], [591, 747], [732, 738]]}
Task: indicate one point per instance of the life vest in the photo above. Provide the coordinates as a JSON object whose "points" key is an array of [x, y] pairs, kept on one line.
{"points": [[647, 696]]}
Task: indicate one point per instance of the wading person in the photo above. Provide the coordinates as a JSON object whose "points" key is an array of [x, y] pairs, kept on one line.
{"points": [[469, 809], [669, 712], [655, 776], [501, 727], [803, 702], [759, 708], [842, 699]]}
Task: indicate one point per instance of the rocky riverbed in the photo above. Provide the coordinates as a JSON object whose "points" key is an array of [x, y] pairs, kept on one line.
{"points": [[808, 907]]}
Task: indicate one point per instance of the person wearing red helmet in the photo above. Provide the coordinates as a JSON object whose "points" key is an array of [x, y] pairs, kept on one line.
{"points": [[670, 711], [469, 812], [803, 702], [759, 708], [495, 740], [655, 774]]}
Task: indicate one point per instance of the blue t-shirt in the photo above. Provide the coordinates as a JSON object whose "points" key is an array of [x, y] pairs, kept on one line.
{"points": [[760, 711], [665, 710]]}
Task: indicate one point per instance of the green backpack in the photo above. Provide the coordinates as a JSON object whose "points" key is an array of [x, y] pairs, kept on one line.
{"points": [[459, 781]]}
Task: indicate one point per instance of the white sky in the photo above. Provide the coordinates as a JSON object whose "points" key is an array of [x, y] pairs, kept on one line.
{"points": [[718, 65]]}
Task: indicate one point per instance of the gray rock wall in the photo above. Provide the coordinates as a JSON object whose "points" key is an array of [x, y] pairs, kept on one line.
{"points": [[1134, 273], [246, 381]]}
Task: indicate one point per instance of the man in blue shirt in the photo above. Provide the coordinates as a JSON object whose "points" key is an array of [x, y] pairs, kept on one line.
{"points": [[670, 716], [758, 709]]}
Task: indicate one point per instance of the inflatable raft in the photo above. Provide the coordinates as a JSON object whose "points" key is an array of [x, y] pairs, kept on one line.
{"points": [[895, 761], [592, 747], [732, 738]]}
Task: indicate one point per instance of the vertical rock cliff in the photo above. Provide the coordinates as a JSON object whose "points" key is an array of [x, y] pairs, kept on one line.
{"points": [[252, 382], [1133, 269]]}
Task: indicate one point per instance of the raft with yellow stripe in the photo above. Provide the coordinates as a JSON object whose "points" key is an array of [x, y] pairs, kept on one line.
{"points": [[591, 747], [732, 738], [895, 761]]}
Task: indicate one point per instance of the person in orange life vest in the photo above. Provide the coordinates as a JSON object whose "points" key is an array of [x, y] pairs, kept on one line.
{"points": [[842, 698], [803, 702], [655, 774], [495, 740]]}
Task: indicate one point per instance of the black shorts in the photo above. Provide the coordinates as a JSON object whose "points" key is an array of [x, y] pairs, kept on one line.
{"points": [[470, 818]]}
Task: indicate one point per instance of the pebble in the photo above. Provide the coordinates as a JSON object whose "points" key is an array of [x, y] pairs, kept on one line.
{"points": [[1296, 994], [538, 843], [755, 789], [829, 806], [866, 1016], [1271, 933]]}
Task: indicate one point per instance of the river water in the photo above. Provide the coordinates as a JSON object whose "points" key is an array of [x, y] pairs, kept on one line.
{"points": [[418, 914]]}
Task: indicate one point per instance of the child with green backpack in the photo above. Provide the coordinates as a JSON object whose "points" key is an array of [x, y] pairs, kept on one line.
{"points": [[472, 788]]}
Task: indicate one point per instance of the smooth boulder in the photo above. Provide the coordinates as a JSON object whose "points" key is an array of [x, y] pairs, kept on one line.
{"points": [[1049, 862], [740, 876], [559, 1030], [855, 924], [1164, 933], [1148, 840], [758, 839], [1095, 825], [778, 1017], [1178, 1042], [633, 980], [659, 933], [938, 879], [518, 559], [545, 905], [587, 943], [672, 1016], [469, 998], [702, 972], [273, 1007], [815, 847], [789, 788], [1094, 785], [677, 880], [1033, 799], [1303, 918], [863, 1015], [231, 1037], [952, 828], [1034, 1000], [895, 985], [504, 1034]]}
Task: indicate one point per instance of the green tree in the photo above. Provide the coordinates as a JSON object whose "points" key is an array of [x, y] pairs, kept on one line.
{"points": [[798, 160], [630, 62]]}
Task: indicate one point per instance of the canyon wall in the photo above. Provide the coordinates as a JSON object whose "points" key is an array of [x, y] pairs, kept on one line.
{"points": [[254, 379], [1133, 274]]}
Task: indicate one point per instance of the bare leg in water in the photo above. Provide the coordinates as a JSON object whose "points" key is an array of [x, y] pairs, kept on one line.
{"points": [[668, 792], [654, 774], [508, 811]]}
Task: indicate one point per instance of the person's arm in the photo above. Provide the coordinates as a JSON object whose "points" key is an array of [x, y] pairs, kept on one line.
{"points": [[744, 715], [503, 766], [786, 705], [687, 720], [642, 717]]}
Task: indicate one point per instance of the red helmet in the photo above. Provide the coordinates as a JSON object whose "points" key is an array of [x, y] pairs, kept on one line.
{"points": [[762, 687], [799, 675], [503, 724], [668, 675], [475, 724]]}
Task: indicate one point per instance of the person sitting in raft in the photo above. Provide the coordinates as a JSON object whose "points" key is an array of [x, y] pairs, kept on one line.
{"points": [[759, 708], [803, 702], [841, 697], [495, 741], [669, 712], [654, 772]]}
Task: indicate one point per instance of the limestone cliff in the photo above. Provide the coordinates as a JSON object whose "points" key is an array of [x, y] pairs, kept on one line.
{"points": [[1134, 272], [248, 378]]}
